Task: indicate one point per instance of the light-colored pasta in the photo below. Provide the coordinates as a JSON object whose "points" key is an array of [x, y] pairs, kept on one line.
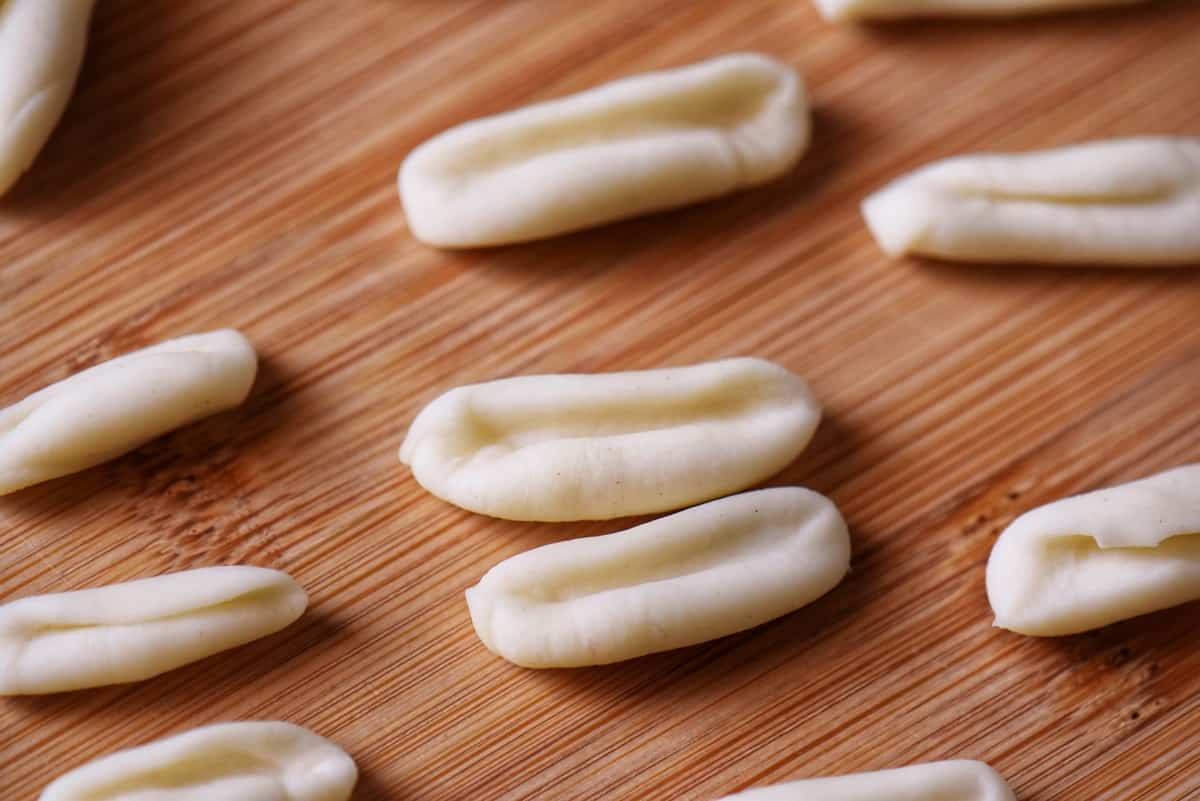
{"points": [[41, 48], [953, 780], [114, 407], [857, 10], [248, 761], [712, 570], [575, 447], [1093, 559], [1125, 202], [138, 629], [642, 144]]}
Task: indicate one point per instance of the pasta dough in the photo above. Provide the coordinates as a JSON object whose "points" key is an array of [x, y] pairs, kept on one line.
{"points": [[249, 761], [642, 144], [1093, 559], [703, 573], [954, 780], [114, 407], [576, 447], [850, 10], [1125, 202], [138, 629], [41, 48]]}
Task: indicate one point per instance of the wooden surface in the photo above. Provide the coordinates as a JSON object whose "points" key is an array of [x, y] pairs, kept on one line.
{"points": [[232, 164]]}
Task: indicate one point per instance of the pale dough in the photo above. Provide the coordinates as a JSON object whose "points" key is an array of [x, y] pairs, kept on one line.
{"points": [[41, 49], [1093, 559], [138, 629], [576, 447], [706, 572], [1124, 202], [953, 780], [852, 10], [114, 407], [642, 144], [248, 761]]}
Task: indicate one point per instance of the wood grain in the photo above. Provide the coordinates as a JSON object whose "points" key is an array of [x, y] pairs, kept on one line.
{"points": [[233, 164]]}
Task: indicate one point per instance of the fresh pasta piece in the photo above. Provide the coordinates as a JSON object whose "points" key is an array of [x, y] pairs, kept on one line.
{"points": [[1124, 202], [114, 407], [592, 447], [953, 780], [41, 50], [138, 629], [853, 10], [696, 575], [1093, 559], [642, 144], [247, 761]]}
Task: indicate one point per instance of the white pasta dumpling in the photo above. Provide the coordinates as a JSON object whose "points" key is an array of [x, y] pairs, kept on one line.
{"points": [[114, 407], [645, 143], [952, 780], [1124, 202], [599, 446], [856, 10], [246, 761], [138, 629], [42, 43], [706, 572], [1094, 559]]}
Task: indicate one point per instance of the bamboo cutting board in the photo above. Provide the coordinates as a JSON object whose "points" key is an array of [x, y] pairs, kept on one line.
{"points": [[233, 164]]}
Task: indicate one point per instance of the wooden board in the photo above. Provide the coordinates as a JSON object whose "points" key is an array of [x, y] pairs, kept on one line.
{"points": [[233, 164]]}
